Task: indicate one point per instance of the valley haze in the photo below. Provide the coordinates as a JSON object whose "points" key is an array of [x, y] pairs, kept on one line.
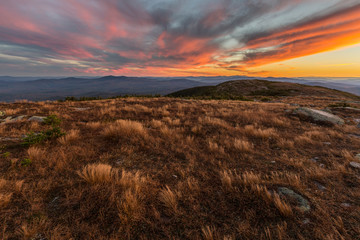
{"points": [[56, 88]]}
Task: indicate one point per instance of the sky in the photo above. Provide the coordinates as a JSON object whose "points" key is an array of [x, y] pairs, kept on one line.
{"points": [[280, 38]]}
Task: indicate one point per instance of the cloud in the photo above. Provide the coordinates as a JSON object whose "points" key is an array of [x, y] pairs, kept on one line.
{"points": [[169, 36]]}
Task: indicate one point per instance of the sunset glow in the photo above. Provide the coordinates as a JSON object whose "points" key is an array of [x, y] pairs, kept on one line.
{"points": [[289, 38]]}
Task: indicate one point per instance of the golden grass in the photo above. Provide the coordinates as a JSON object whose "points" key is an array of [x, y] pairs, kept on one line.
{"points": [[283, 207], [70, 137], [10, 112], [169, 199], [94, 125], [208, 233], [97, 173], [253, 131], [35, 154], [243, 145], [178, 169], [124, 128], [5, 199], [156, 123]]}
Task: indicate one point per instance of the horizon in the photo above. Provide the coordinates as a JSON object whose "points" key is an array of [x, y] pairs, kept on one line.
{"points": [[188, 76], [277, 38]]}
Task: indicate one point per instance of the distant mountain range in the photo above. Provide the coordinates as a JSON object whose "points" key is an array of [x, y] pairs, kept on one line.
{"points": [[51, 88]]}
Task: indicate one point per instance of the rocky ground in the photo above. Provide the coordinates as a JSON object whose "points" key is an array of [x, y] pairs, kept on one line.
{"points": [[165, 168]]}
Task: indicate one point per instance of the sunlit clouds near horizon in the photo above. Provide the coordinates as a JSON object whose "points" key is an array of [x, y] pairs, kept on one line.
{"points": [[180, 37]]}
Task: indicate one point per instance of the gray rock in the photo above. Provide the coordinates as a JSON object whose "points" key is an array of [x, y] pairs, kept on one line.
{"points": [[327, 110], [294, 104], [6, 139], [302, 202], [318, 115], [18, 118], [320, 187], [82, 109], [36, 119], [12, 119], [306, 221], [7, 119], [346, 205], [315, 159], [355, 165]]}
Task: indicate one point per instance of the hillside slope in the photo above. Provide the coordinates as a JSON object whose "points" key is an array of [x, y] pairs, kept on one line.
{"points": [[249, 88], [167, 168]]}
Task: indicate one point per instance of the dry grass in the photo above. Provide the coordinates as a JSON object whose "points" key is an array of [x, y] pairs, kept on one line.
{"points": [[35, 153], [166, 168], [243, 145], [97, 173], [169, 199], [124, 128], [70, 137], [282, 206], [253, 131], [208, 233]]}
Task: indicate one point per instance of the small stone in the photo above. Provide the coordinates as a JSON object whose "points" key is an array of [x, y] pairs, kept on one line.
{"points": [[302, 202], [82, 109], [355, 165], [320, 187], [273, 161], [294, 104], [306, 221], [346, 205], [7, 139], [36, 119], [175, 176], [322, 165], [55, 199], [327, 143]]}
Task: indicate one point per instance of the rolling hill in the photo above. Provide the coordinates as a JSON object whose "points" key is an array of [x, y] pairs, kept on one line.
{"points": [[243, 89]]}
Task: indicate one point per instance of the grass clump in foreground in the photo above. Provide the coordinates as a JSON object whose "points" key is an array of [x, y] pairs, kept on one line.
{"points": [[166, 168]]}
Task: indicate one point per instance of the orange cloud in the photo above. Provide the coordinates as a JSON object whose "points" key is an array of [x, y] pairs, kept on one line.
{"points": [[336, 31]]}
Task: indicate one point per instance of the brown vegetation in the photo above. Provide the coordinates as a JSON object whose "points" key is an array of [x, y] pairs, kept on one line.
{"points": [[178, 169]]}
